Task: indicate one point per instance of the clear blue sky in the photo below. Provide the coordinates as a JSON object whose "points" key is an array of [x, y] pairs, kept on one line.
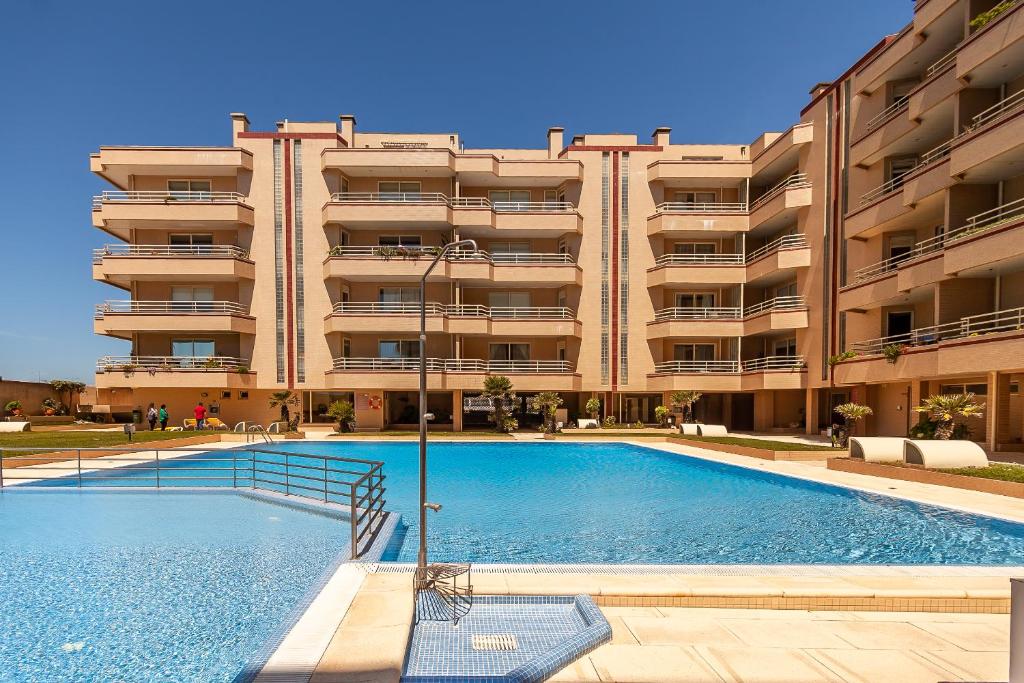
{"points": [[81, 74]]}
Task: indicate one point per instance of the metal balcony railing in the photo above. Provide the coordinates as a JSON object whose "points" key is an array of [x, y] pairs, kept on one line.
{"points": [[970, 326], [170, 251], [499, 258], [793, 182], [171, 307], [896, 182], [451, 365], [165, 196], [900, 104], [699, 260], [697, 367], [693, 313], [784, 242], [454, 310], [171, 363], [774, 363], [701, 207], [941, 63], [454, 202], [779, 303], [1003, 108]]}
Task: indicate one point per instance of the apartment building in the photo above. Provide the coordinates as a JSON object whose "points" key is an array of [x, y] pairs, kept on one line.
{"points": [[607, 266]]}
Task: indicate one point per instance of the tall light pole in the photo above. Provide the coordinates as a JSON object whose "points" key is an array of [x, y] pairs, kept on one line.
{"points": [[462, 245]]}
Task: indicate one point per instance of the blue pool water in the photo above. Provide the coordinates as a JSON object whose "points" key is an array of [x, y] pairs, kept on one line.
{"points": [[168, 586]]}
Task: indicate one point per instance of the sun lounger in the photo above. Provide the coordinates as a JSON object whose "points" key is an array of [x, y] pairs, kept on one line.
{"points": [[877, 448], [939, 454], [215, 423], [689, 429], [586, 423], [713, 430], [20, 426], [189, 424]]}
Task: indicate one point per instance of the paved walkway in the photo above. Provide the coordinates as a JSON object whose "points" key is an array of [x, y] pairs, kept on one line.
{"points": [[667, 644]]}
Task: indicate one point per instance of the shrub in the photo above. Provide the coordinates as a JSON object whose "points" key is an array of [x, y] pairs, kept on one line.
{"points": [[609, 422], [892, 352], [593, 407], [546, 403], [344, 414], [944, 409], [926, 427], [851, 414], [685, 400], [661, 415], [985, 17], [498, 388]]}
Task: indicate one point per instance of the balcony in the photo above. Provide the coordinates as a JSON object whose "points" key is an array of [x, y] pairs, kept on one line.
{"points": [[992, 147], [401, 161], [124, 318], [778, 207], [971, 345], [174, 371], [120, 164], [121, 264], [464, 319], [772, 262], [478, 215], [676, 171], [772, 372], [765, 263], [779, 313], [475, 169], [984, 55], [371, 263], [388, 209], [697, 217], [117, 212], [781, 153], [450, 373]]}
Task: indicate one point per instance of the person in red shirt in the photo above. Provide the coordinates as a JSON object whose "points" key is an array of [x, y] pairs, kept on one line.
{"points": [[200, 413]]}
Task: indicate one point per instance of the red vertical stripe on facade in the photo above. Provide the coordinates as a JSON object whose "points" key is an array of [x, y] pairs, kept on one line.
{"points": [[289, 258], [615, 270]]}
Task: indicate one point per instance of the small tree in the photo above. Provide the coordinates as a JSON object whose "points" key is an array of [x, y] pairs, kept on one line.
{"points": [[593, 407], [498, 388], [851, 413], [547, 403], [685, 401], [661, 415], [68, 388], [944, 409], [283, 399], [344, 414]]}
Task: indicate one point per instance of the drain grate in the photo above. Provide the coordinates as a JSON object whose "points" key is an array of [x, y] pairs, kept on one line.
{"points": [[495, 641]]}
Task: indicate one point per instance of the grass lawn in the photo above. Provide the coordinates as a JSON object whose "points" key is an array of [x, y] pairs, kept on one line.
{"points": [[764, 444], [996, 470], [82, 439], [638, 434]]}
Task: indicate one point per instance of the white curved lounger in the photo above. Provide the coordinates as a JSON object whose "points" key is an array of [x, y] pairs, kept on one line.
{"points": [[689, 429], [713, 430], [877, 448], [20, 426], [944, 454]]}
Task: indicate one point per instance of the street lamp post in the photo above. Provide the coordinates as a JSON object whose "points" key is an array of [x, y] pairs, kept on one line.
{"points": [[463, 245]]}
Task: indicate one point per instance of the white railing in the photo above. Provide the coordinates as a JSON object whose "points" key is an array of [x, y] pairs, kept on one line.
{"points": [[697, 367], [699, 260], [701, 207], [171, 307], [941, 63], [389, 198], [779, 303], [793, 182], [774, 363], [784, 242], [896, 182], [170, 363], [500, 258], [986, 220], [533, 206], [1004, 107], [970, 326], [165, 196], [691, 313], [454, 310], [451, 365], [170, 251], [889, 112]]}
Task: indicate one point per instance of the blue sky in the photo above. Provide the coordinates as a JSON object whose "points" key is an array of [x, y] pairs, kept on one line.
{"points": [[81, 74]]}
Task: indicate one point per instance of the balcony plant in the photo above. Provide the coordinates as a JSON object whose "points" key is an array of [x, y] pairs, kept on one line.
{"points": [[387, 253], [892, 352], [985, 18], [945, 408], [212, 363], [242, 370], [499, 389], [851, 414], [840, 357], [685, 400], [547, 403], [593, 407], [344, 414], [661, 415], [13, 408]]}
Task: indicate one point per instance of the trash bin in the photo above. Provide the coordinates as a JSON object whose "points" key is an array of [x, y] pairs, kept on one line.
{"points": [[137, 416]]}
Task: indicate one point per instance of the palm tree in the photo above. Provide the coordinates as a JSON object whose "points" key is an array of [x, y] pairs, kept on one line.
{"points": [[944, 408], [282, 399], [685, 400], [546, 403], [851, 413], [498, 388]]}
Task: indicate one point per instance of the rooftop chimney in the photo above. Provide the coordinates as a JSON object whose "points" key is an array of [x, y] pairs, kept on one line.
{"points": [[555, 141], [348, 129], [239, 123], [660, 136], [578, 139], [819, 88]]}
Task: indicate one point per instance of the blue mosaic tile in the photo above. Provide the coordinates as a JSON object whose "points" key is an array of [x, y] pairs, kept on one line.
{"points": [[552, 632]]}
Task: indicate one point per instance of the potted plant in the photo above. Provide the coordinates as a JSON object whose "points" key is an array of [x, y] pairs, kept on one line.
{"points": [[840, 357], [593, 407], [851, 414], [13, 408], [661, 415], [944, 408], [892, 352], [49, 406], [344, 413]]}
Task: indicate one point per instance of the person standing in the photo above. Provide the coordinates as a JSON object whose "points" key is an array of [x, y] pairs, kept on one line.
{"points": [[200, 413], [152, 416], [162, 414]]}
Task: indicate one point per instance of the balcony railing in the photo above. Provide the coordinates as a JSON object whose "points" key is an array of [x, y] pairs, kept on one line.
{"points": [[969, 326], [502, 258], [999, 110], [699, 260], [941, 63], [171, 307], [793, 182], [171, 363], [170, 251], [692, 313], [784, 242], [451, 365], [779, 303], [454, 310], [165, 196], [896, 182], [889, 112], [701, 207], [718, 367], [445, 200]]}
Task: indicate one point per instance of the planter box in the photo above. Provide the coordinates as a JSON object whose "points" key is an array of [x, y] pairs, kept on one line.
{"points": [[1012, 489], [762, 453]]}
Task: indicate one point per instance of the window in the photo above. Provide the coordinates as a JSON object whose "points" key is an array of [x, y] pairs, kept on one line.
{"points": [[900, 167], [344, 184], [508, 299], [899, 249], [188, 187], [403, 348], [784, 347], [788, 289], [563, 298], [977, 389], [693, 352], [510, 247], [399, 241], [696, 197], [399, 191], [692, 300], [190, 239], [563, 246], [510, 200], [899, 323], [900, 92], [509, 352], [243, 395], [398, 294], [561, 351], [192, 348], [694, 248], [346, 348], [225, 394], [550, 195]]}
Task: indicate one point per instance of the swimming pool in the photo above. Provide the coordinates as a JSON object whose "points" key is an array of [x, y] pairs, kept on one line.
{"points": [[155, 586]]}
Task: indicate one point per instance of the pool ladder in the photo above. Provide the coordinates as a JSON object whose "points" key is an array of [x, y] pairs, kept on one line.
{"points": [[442, 592]]}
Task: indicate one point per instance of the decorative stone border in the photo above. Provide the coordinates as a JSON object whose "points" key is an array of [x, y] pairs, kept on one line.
{"points": [[916, 474], [762, 453]]}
